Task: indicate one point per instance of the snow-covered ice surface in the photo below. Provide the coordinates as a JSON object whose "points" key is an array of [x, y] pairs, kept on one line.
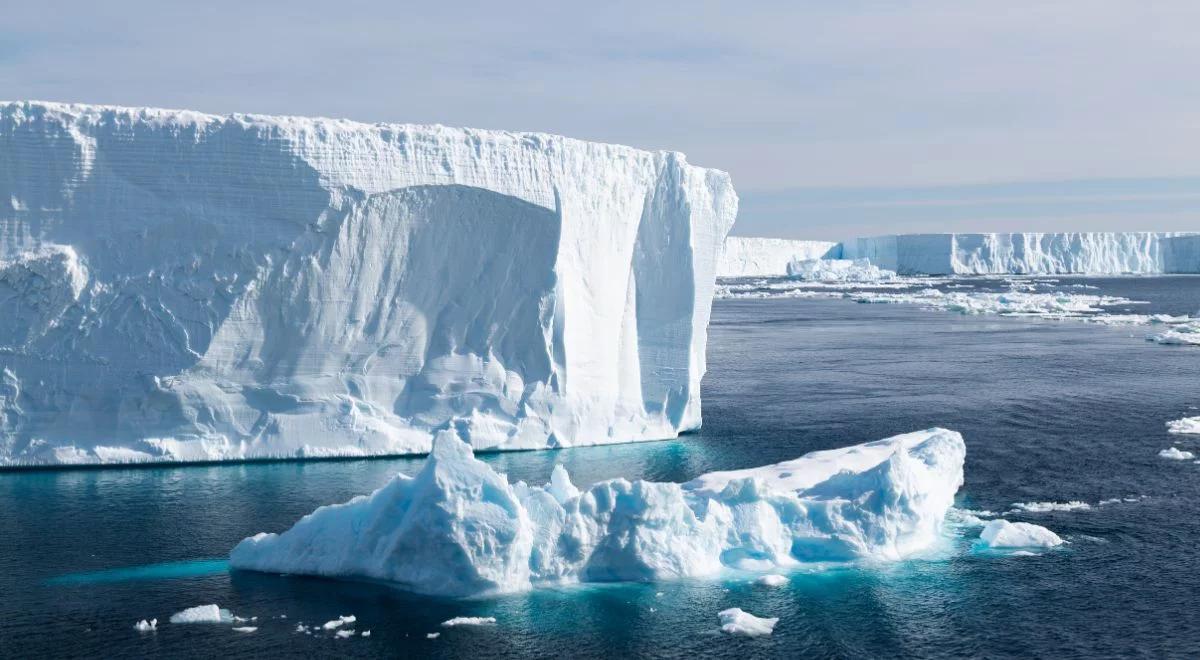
{"points": [[458, 528], [769, 257], [203, 614], [734, 621], [188, 287], [1176, 454], [1185, 426], [838, 270], [1001, 534]]}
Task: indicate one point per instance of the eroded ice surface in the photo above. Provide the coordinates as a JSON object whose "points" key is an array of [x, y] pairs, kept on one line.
{"points": [[838, 270], [458, 528], [178, 286], [1000, 534], [204, 614], [735, 621], [1185, 426]]}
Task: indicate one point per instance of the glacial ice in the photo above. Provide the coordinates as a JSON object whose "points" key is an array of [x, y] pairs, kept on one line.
{"points": [[1176, 454], [838, 270], [177, 286], [203, 614], [769, 257], [1000, 534], [458, 528], [1185, 426], [735, 621], [146, 626]]}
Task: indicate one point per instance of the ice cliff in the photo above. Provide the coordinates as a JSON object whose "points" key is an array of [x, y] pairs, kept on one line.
{"points": [[458, 528], [1095, 253], [183, 286]]}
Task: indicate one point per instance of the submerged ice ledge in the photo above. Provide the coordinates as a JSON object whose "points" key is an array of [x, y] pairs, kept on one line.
{"points": [[177, 286], [458, 528]]}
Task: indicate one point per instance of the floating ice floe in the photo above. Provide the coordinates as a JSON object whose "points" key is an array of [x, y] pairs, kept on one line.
{"points": [[1185, 426], [1055, 305], [468, 621], [735, 621], [1046, 507], [433, 635], [146, 626], [838, 270], [1181, 334], [343, 634], [458, 528], [204, 614], [771, 580], [1176, 454], [1001, 534], [339, 622], [245, 629]]}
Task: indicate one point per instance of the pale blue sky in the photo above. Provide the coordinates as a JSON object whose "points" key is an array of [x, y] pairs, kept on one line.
{"points": [[834, 118]]}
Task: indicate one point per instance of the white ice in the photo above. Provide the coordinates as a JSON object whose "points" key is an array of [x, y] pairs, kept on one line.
{"points": [[1185, 426], [1001, 534], [1176, 454], [433, 635], [459, 528], [469, 621], [734, 621], [245, 629], [343, 634], [203, 614], [769, 257], [339, 622], [1181, 334], [146, 626], [1046, 507], [838, 270], [180, 286], [771, 580]]}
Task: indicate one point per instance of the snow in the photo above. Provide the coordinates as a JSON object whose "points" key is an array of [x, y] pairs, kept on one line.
{"points": [[838, 270], [734, 621], [146, 626], [771, 580], [1094, 253], [765, 257], [1001, 534], [203, 614], [1176, 454], [1047, 507], [458, 528], [469, 621], [191, 287], [1185, 426]]}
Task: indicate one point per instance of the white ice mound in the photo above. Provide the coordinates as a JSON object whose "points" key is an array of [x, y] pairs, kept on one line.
{"points": [[735, 621], [1000, 534], [1179, 334], [1185, 426], [176, 286], [203, 614], [458, 528], [1176, 454], [838, 270]]}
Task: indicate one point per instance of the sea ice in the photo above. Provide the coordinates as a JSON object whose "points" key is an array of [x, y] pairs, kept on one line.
{"points": [[469, 621], [146, 626], [734, 621], [1046, 507], [1176, 454], [771, 580], [343, 634], [1002, 534], [1185, 426], [245, 629], [339, 622], [1182, 334], [458, 528], [203, 614], [433, 635], [838, 270]]}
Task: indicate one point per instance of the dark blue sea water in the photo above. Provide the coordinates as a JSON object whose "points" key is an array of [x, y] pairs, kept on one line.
{"points": [[1051, 411]]}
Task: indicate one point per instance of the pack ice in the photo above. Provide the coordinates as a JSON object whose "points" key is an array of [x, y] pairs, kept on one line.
{"points": [[183, 286], [458, 528]]}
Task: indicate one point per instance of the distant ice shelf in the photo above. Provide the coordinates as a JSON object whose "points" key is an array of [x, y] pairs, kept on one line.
{"points": [[177, 286], [1032, 253], [458, 528]]}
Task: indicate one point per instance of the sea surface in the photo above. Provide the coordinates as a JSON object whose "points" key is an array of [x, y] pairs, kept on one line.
{"points": [[1051, 411]]}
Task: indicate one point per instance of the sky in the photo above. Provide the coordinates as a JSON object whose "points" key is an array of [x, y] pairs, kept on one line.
{"points": [[835, 119]]}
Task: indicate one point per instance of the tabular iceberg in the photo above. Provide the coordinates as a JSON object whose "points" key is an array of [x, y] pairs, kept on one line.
{"points": [[458, 528], [183, 286], [766, 257]]}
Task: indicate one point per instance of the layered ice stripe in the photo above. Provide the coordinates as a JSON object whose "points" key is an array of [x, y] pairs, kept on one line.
{"points": [[458, 528], [183, 286]]}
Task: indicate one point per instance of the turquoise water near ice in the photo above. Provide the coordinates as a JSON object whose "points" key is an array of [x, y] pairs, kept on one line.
{"points": [[1051, 411]]}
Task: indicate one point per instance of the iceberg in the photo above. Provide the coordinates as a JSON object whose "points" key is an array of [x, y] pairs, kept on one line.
{"points": [[838, 270], [178, 286], [1000, 534], [458, 528], [744, 256]]}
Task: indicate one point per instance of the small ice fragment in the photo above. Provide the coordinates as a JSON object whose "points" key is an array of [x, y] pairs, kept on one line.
{"points": [[146, 626], [1175, 454], [339, 622], [734, 621], [772, 580], [432, 635], [245, 629], [366, 633], [343, 634], [203, 614], [1045, 507], [469, 621], [301, 628], [1001, 533]]}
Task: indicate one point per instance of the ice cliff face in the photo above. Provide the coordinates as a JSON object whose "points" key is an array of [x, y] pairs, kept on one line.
{"points": [[765, 257], [458, 528], [182, 286], [1099, 253]]}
